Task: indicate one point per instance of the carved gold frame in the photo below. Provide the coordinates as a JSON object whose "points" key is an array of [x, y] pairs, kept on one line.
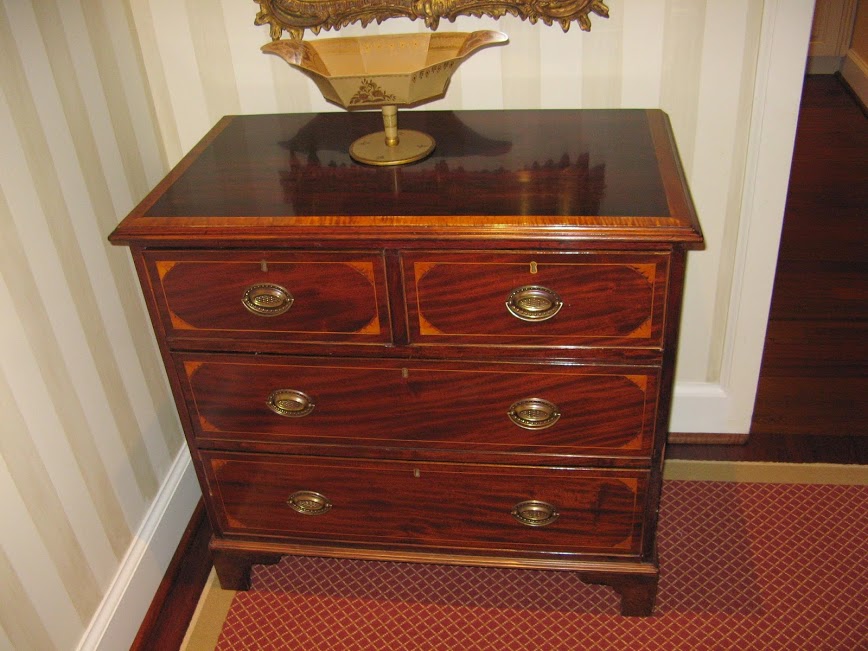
{"points": [[295, 16]]}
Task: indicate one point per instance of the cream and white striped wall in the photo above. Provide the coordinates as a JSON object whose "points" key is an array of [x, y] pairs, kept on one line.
{"points": [[87, 433], [99, 99]]}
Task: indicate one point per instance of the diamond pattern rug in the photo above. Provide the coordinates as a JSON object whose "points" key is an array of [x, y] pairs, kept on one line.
{"points": [[743, 566]]}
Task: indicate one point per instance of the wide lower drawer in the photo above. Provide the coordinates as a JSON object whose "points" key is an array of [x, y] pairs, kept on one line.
{"points": [[614, 299], [436, 505], [271, 295], [473, 407]]}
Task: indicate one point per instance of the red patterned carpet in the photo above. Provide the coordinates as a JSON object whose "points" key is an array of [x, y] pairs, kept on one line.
{"points": [[743, 566]]}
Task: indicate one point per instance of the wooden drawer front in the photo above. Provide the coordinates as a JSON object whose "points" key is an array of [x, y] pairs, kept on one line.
{"points": [[334, 297], [603, 410], [440, 505], [612, 299]]}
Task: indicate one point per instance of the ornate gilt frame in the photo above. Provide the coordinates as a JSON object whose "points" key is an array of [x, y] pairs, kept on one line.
{"points": [[295, 16]]}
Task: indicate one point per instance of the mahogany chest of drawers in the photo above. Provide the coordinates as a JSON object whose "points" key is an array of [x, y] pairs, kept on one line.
{"points": [[467, 360]]}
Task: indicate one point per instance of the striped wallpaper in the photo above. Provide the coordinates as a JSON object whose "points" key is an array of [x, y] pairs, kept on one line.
{"points": [[99, 99], [88, 432]]}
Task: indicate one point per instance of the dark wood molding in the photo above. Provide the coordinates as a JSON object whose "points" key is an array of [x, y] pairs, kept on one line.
{"points": [[175, 601], [778, 448], [685, 438]]}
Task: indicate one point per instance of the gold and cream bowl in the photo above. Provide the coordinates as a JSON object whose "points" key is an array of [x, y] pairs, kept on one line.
{"points": [[385, 71]]}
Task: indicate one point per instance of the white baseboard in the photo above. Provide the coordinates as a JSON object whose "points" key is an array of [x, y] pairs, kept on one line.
{"points": [[699, 407], [855, 72], [823, 65], [117, 620]]}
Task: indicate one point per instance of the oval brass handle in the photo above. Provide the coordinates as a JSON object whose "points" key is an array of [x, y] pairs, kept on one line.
{"points": [[535, 513], [309, 503], [534, 413], [533, 303], [267, 299], [290, 403]]}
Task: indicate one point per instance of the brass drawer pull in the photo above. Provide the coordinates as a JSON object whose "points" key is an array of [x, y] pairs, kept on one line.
{"points": [[290, 403], [533, 303], [535, 513], [309, 503], [267, 299], [534, 413]]}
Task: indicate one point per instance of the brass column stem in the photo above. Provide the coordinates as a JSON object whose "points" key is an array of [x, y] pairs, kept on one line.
{"points": [[390, 123]]}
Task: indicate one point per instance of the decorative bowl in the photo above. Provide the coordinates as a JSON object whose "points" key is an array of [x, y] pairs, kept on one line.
{"points": [[384, 71]]}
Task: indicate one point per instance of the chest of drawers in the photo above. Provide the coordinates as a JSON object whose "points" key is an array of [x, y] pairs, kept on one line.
{"points": [[467, 360]]}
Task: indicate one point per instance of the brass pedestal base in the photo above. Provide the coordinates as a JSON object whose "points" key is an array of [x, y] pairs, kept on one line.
{"points": [[373, 149]]}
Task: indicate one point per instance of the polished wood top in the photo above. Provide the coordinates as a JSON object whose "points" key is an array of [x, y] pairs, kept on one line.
{"points": [[607, 174]]}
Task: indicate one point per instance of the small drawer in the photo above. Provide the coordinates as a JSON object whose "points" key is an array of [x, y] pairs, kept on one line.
{"points": [[608, 299], [435, 505], [268, 295], [480, 408]]}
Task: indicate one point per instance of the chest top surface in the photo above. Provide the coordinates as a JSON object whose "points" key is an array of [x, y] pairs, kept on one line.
{"points": [[591, 174]]}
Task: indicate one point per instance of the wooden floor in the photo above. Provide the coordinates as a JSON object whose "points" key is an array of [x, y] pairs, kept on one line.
{"points": [[812, 400], [812, 403]]}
